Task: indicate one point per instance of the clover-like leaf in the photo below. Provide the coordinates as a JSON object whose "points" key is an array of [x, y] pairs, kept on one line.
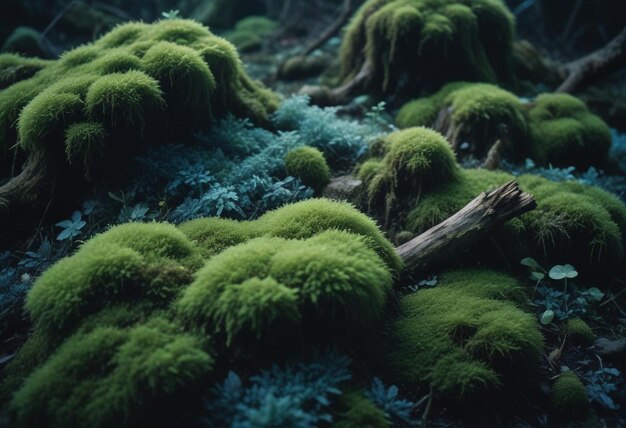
{"points": [[559, 272], [537, 276], [547, 317], [530, 263]]}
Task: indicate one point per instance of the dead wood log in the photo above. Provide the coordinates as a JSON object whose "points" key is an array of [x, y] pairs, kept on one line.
{"points": [[580, 73], [456, 235], [324, 96]]}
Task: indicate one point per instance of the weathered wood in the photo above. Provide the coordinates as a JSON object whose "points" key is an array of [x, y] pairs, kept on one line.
{"points": [[456, 235], [582, 72], [332, 30]]}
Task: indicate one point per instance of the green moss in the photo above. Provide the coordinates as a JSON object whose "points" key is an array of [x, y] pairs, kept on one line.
{"points": [[434, 41], [126, 100], [171, 78], [14, 68], [416, 161], [142, 263], [308, 218], [25, 41], [579, 331], [85, 143], [114, 377], [566, 133], [250, 32], [360, 412], [368, 170], [214, 235], [569, 396], [332, 279], [309, 166], [464, 337]]}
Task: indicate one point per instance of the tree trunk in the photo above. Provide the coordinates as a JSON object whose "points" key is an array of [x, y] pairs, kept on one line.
{"points": [[456, 235]]}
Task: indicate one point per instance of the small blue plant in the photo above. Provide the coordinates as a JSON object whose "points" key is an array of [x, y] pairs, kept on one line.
{"points": [[72, 227], [388, 399], [603, 385]]}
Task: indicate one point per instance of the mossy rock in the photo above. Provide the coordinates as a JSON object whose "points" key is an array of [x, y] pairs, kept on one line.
{"points": [[565, 133], [553, 129], [579, 331], [309, 166], [569, 396], [433, 41], [24, 41], [466, 338], [573, 223], [416, 161], [250, 32], [139, 84], [128, 328], [302, 67], [115, 377]]}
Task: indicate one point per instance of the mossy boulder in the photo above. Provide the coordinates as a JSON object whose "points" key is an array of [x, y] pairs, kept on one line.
{"points": [[24, 41], [569, 396], [128, 329], [564, 133], [555, 129], [466, 338], [250, 32], [309, 166], [414, 161], [100, 104], [429, 42]]}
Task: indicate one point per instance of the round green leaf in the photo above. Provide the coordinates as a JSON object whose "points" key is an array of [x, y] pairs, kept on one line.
{"points": [[547, 317], [530, 263]]}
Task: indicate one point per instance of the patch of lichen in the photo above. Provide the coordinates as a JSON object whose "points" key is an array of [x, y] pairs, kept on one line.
{"points": [[573, 223], [465, 338], [140, 83], [433, 41], [555, 129]]}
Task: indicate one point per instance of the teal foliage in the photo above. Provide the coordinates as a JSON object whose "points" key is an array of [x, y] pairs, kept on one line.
{"points": [[388, 399], [296, 395], [605, 387]]}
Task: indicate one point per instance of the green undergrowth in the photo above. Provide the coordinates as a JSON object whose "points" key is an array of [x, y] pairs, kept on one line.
{"points": [[433, 41], [553, 129], [135, 86], [250, 32], [466, 337]]}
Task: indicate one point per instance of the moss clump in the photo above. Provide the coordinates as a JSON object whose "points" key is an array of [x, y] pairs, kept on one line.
{"points": [[433, 41], [309, 166], [267, 288], [415, 161], [466, 336], [85, 144], [142, 263], [565, 132], [250, 32], [573, 223], [554, 129], [569, 396], [360, 412], [170, 77], [14, 68], [24, 41], [579, 331], [114, 377]]}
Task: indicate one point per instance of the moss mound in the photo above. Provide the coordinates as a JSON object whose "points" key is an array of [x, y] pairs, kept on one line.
{"points": [[565, 132], [250, 32], [433, 41], [360, 412], [139, 83], [309, 166], [555, 129], [465, 337], [569, 396], [24, 41], [579, 331], [415, 161]]}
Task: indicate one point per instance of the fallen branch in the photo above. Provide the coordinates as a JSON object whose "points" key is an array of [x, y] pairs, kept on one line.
{"points": [[580, 73], [332, 30], [455, 235]]}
